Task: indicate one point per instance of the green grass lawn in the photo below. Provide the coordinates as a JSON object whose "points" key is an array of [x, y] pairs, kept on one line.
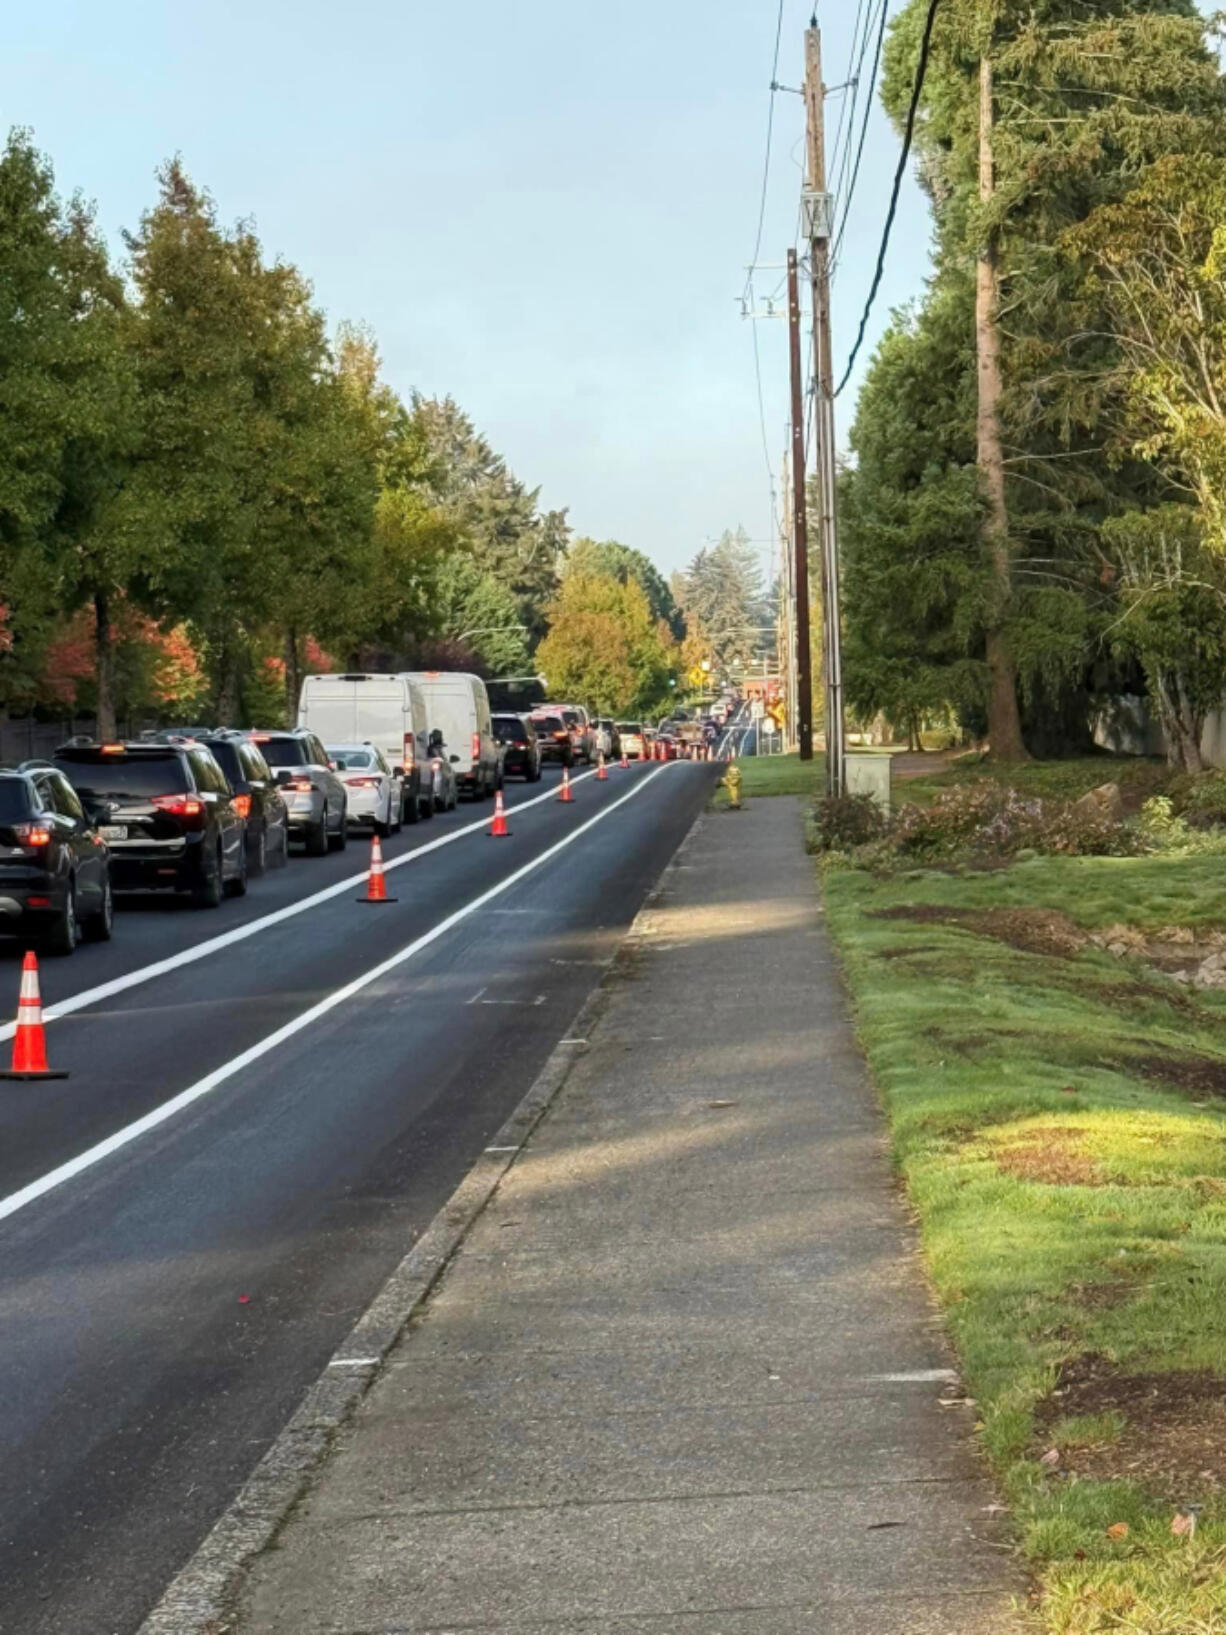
{"points": [[781, 775], [1060, 1121]]}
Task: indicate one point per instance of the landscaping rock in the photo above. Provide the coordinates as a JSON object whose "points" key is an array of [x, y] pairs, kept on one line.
{"points": [[1105, 801]]}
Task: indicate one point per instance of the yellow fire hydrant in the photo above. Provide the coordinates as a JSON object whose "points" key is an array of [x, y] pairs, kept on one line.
{"points": [[731, 781]]}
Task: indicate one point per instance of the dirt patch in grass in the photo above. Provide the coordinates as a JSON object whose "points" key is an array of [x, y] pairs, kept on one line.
{"points": [[1055, 1156], [1202, 1075], [1173, 1439], [904, 950], [1103, 1296], [1029, 930]]}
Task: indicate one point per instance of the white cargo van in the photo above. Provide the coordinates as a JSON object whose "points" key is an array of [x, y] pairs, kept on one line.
{"points": [[458, 707], [386, 711]]}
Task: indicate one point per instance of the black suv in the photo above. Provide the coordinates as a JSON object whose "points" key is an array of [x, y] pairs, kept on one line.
{"points": [[55, 878], [316, 797], [257, 799], [167, 814], [517, 746]]}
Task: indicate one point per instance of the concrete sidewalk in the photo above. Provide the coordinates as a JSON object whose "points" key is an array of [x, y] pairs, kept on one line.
{"points": [[683, 1374]]}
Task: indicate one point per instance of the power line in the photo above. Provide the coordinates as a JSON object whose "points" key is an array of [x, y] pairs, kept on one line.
{"points": [[770, 132], [848, 104], [868, 113], [916, 91]]}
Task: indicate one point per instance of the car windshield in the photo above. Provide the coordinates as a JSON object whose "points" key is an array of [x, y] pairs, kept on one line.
{"points": [[134, 776], [15, 804], [349, 759], [549, 723], [284, 751], [507, 728]]}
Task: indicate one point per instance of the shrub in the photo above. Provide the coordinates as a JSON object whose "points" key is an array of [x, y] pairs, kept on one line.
{"points": [[843, 822], [1160, 829], [1201, 800], [990, 820]]}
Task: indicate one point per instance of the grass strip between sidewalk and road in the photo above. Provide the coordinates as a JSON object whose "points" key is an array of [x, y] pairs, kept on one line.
{"points": [[781, 775], [1058, 1113]]}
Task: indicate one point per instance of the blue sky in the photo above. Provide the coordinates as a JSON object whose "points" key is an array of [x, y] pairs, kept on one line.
{"points": [[543, 207]]}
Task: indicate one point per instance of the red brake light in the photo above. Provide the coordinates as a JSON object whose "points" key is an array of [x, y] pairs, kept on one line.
{"points": [[32, 834], [362, 783], [183, 806], [112, 749], [298, 786], [409, 757], [476, 746], [242, 805]]}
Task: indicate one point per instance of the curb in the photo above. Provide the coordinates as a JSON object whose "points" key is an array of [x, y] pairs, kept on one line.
{"points": [[201, 1597]]}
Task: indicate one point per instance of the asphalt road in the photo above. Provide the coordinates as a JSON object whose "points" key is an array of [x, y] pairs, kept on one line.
{"points": [[167, 1294]]}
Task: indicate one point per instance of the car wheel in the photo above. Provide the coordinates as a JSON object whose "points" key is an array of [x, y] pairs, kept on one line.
{"points": [[280, 857], [237, 887], [427, 810], [62, 937], [101, 923], [412, 811], [207, 893], [316, 837], [257, 862], [340, 839], [398, 820]]}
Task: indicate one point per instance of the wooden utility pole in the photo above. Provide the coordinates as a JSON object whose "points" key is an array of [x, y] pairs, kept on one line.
{"points": [[800, 527], [817, 214]]}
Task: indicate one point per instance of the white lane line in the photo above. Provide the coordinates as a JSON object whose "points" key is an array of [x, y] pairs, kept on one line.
{"points": [[141, 1126], [240, 933]]}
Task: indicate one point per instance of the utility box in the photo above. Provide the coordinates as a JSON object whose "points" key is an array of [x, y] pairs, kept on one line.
{"points": [[869, 775]]}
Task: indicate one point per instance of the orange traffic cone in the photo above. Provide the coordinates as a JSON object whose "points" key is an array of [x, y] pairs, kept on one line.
{"points": [[29, 1043], [498, 827], [564, 793], [602, 771], [376, 890], [624, 763]]}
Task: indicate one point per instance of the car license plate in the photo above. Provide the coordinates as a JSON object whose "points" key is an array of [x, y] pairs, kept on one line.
{"points": [[113, 831]]}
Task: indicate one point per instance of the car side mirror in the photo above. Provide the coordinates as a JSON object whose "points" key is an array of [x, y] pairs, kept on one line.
{"points": [[284, 774], [455, 760]]}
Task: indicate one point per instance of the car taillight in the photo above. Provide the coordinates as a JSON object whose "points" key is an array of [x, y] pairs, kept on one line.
{"points": [[242, 805], [520, 743], [409, 757], [362, 783], [180, 806], [298, 786], [561, 734], [32, 834], [476, 746]]}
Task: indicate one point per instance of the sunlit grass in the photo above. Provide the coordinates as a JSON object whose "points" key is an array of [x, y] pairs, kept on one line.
{"points": [[781, 775], [1072, 1203]]}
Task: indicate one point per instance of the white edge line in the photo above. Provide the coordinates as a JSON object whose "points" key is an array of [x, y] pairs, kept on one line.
{"points": [[227, 939], [194, 1092]]}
